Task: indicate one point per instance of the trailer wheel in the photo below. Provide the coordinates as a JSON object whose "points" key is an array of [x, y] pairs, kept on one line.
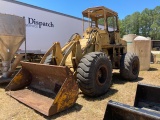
{"points": [[94, 74], [129, 66]]}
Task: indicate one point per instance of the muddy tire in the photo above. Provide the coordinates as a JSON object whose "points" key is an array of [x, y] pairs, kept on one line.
{"points": [[129, 66], [94, 74]]}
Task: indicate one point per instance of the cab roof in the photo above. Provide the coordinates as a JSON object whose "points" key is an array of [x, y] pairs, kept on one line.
{"points": [[98, 12]]}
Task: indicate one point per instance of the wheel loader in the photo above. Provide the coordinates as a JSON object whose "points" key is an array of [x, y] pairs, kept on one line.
{"points": [[84, 62]]}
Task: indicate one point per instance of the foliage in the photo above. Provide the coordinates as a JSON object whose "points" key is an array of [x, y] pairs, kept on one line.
{"points": [[146, 23]]}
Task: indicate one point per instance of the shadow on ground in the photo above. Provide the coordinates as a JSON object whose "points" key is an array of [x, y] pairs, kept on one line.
{"points": [[153, 69], [110, 92], [117, 79], [3, 85], [76, 107]]}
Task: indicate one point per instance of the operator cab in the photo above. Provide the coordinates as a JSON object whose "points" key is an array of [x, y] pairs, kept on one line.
{"points": [[103, 19]]}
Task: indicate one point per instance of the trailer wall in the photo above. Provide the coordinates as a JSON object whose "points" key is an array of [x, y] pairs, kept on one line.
{"points": [[43, 27]]}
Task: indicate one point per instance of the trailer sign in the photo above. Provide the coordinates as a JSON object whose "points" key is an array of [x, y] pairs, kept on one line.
{"points": [[37, 24]]}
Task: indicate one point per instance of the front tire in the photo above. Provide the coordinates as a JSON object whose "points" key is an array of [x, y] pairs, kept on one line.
{"points": [[129, 66], [94, 74]]}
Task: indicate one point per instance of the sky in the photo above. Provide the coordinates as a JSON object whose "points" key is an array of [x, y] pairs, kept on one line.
{"points": [[75, 7]]}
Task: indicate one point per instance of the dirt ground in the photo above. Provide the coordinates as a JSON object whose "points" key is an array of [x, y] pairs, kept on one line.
{"points": [[85, 108]]}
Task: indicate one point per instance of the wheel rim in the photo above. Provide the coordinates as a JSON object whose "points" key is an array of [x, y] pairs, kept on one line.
{"points": [[135, 67], [101, 75]]}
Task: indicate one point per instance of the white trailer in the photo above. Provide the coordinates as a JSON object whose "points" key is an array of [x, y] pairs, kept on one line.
{"points": [[43, 27]]}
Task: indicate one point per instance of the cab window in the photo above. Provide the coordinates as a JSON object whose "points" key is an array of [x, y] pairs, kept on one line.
{"points": [[112, 24]]}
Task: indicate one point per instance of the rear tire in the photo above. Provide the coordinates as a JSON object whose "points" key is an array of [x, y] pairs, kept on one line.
{"points": [[94, 74], [129, 66], [49, 60]]}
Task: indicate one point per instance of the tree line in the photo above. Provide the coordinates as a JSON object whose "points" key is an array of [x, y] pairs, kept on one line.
{"points": [[145, 23]]}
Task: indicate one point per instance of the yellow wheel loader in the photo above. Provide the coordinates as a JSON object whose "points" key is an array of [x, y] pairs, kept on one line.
{"points": [[84, 62]]}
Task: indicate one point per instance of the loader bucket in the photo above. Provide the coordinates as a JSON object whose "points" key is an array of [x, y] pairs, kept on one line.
{"points": [[119, 111], [48, 89], [147, 97]]}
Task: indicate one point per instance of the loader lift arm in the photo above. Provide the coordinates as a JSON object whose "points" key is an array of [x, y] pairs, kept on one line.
{"points": [[72, 48]]}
